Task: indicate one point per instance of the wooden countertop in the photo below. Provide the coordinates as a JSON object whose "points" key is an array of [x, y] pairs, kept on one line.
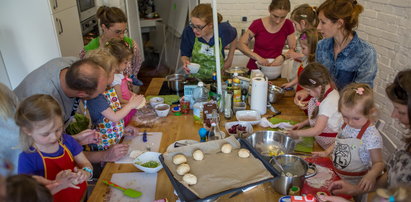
{"points": [[182, 127]]}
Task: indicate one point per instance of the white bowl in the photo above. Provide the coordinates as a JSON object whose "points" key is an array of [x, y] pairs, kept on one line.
{"points": [[248, 126], [250, 116], [271, 72], [156, 100], [162, 110], [194, 67], [145, 157]]}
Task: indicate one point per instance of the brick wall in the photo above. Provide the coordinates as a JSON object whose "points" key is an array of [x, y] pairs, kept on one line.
{"points": [[386, 24]]}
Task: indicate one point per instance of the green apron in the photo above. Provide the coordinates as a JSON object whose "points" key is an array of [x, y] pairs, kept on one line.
{"points": [[203, 54]]}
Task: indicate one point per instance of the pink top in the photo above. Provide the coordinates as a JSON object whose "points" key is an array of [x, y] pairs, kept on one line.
{"points": [[268, 45]]}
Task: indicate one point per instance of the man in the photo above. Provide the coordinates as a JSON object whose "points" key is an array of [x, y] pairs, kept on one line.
{"points": [[68, 80]]}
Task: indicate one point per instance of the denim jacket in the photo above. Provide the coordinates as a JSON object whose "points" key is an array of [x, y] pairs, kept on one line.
{"points": [[356, 63]]}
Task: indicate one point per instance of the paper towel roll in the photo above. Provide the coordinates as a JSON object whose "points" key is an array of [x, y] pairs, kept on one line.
{"points": [[259, 87]]}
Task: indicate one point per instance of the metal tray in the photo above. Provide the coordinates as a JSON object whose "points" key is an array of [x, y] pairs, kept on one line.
{"points": [[185, 194]]}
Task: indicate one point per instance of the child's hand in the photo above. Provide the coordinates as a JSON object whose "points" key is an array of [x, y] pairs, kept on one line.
{"points": [[292, 133], [131, 131], [286, 85], [298, 126], [81, 175], [367, 183], [136, 100], [65, 179], [319, 154]]}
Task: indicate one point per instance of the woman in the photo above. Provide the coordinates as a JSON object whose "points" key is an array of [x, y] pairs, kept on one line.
{"points": [[399, 165], [197, 42], [347, 57], [113, 24], [270, 33]]}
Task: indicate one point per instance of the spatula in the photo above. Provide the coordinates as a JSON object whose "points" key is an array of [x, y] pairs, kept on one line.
{"points": [[128, 192]]}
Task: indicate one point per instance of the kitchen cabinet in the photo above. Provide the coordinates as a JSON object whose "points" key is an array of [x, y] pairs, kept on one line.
{"points": [[34, 32]]}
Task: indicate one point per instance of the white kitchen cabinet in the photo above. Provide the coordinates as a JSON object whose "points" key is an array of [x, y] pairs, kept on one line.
{"points": [[31, 34], [67, 27], [59, 5]]}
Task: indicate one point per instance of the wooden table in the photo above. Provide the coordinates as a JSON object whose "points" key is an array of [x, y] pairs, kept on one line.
{"points": [[182, 127]]}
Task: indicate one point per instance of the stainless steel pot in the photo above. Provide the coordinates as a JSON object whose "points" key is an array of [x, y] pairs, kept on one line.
{"points": [[294, 165], [274, 93], [241, 71], [176, 82], [263, 142]]}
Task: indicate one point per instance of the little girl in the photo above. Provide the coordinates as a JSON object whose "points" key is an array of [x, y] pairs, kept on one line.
{"points": [[303, 17], [308, 40], [107, 115], [122, 52], [357, 152], [323, 115], [47, 151]]}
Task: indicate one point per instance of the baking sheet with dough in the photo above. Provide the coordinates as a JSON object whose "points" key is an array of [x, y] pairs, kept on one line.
{"points": [[136, 143], [218, 172]]}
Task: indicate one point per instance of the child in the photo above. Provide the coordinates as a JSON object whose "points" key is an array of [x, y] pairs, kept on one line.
{"points": [[323, 115], [303, 17], [47, 151], [23, 188], [121, 51], [357, 152], [308, 40], [107, 114]]}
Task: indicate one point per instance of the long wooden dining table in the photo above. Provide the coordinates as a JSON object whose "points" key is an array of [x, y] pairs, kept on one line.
{"points": [[183, 127]]}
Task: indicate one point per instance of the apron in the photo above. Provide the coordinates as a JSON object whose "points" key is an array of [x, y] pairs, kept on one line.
{"points": [[299, 71], [346, 156], [111, 131], [125, 91], [203, 54], [53, 165], [326, 138]]}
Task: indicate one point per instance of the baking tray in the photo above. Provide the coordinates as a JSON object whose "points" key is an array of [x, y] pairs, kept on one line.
{"points": [[185, 194]]}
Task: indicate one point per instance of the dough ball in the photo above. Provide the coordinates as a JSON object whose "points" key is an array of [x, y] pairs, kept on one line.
{"points": [[179, 159], [243, 153], [198, 155], [183, 169], [142, 104], [226, 148], [190, 179], [135, 153]]}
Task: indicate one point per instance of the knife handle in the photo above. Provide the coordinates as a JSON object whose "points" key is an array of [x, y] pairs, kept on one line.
{"points": [[114, 185]]}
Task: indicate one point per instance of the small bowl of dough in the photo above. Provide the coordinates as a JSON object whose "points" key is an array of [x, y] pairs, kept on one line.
{"points": [[162, 110], [194, 67], [156, 101], [148, 162]]}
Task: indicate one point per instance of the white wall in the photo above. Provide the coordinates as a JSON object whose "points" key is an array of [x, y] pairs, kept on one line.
{"points": [[26, 37], [384, 24]]}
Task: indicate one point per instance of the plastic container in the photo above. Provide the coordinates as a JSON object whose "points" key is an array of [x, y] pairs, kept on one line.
{"points": [[200, 93]]}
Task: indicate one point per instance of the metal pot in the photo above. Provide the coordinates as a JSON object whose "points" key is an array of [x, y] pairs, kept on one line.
{"points": [[176, 82], [294, 165], [241, 71], [274, 93]]}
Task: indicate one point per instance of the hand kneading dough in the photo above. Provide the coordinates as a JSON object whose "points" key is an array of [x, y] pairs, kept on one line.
{"points": [[183, 169], [190, 179], [179, 159], [243, 153], [142, 104], [198, 155], [226, 148]]}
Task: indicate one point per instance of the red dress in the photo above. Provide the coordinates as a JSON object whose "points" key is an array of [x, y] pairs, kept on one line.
{"points": [[268, 45]]}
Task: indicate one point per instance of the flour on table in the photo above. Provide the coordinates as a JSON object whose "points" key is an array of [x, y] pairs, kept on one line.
{"points": [[322, 178]]}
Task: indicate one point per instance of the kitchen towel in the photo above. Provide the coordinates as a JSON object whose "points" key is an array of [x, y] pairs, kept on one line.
{"points": [[259, 87]]}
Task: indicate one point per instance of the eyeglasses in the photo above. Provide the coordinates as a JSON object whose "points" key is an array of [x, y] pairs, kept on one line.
{"points": [[119, 31], [200, 28]]}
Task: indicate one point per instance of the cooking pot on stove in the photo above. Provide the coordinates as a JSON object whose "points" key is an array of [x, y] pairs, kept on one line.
{"points": [[296, 168], [176, 82]]}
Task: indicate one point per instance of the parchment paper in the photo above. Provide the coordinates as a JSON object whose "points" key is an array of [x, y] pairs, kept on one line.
{"points": [[218, 172]]}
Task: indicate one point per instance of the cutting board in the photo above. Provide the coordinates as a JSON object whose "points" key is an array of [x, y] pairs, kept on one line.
{"points": [[136, 143], [140, 181], [327, 163]]}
